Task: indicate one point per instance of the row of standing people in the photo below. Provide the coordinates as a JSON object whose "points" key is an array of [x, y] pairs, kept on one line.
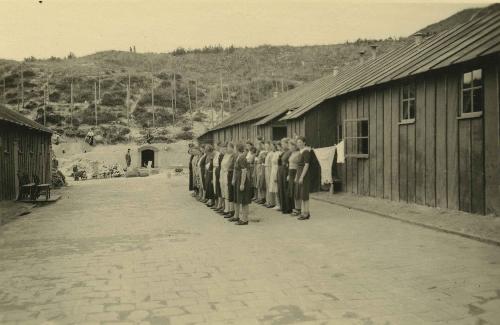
{"points": [[227, 177]]}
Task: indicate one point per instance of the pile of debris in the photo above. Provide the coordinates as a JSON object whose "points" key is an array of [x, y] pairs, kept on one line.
{"points": [[84, 168]]}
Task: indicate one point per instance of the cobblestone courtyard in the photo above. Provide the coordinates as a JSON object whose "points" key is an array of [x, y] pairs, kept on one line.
{"points": [[144, 251]]}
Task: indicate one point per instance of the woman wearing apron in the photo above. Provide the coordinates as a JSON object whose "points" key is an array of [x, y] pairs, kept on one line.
{"points": [[242, 187], [303, 178], [293, 162], [261, 174], [273, 179], [269, 198], [226, 176], [285, 202]]}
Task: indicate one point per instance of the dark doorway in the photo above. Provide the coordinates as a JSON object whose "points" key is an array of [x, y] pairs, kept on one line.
{"points": [[147, 155], [279, 132]]}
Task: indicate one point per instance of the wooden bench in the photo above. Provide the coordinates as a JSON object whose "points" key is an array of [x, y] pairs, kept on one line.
{"points": [[43, 189], [27, 191]]}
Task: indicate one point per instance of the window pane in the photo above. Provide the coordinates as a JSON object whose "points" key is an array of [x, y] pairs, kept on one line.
{"points": [[478, 100], [405, 92], [411, 111], [412, 90], [466, 101], [467, 80], [477, 76], [364, 146], [404, 114], [364, 128]]}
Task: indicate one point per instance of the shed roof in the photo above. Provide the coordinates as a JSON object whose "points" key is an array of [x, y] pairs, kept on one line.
{"points": [[11, 116], [471, 40], [475, 38]]}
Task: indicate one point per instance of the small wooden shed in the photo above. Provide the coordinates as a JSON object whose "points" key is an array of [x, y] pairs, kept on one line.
{"points": [[25, 148]]}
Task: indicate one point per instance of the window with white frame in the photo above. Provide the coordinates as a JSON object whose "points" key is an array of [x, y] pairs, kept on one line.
{"points": [[472, 93], [356, 133], [408, 103]]}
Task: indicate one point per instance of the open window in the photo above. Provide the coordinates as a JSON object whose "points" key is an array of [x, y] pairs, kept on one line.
{"points": [[356, 138]]}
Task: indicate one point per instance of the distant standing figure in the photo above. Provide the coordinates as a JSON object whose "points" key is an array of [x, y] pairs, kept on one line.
{"points": [[128, 159], [90, 137]]}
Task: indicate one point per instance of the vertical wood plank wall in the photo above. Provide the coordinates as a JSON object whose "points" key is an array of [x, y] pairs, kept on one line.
{"points": [[439, 160], [33, 157]]}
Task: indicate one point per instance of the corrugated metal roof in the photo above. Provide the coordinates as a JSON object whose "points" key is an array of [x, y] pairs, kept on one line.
{"points": [[465, 42], [11, 116]]}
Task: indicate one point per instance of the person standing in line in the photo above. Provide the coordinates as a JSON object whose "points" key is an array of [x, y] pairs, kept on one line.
{"points": [[267, 164], [227, 165], [303, 178], [261, 173], [201, 171], [194, 167], [209, 170], [128, 162], [242, 186], [219, 201], [251, 157], [293, 162], [190, 166], [273, 178], [283, 164]]}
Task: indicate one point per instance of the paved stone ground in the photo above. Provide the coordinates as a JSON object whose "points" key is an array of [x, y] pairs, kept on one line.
{"points": [[483, 228], [143, 251]]}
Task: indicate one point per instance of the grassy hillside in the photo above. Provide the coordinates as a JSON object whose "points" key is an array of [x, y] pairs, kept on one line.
{"points": [[248, 75]]}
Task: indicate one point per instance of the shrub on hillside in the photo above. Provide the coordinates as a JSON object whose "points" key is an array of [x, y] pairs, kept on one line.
{"points": [[199, 117], [115, 98], [185, 135]]}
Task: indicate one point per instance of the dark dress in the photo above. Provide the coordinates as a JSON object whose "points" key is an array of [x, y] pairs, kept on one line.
{"points": [[209, 186], [218, 191], [202, 163], [242, 197], [191, 182], [302, 190], [284, 198], [230, 172]]}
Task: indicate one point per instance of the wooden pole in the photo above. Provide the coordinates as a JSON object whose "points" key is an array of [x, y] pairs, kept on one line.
{"points": [[175, 99], [282, 86], [212, 112], [172, 100], [229, 98], [44, 105], [222, 100], [22, 86], [128, 100], [99, 81], [153, 97], [95, 102], [72, 105], [190, 107], [196, 94]]}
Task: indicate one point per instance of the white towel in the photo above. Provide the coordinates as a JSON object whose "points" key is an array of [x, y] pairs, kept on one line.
{"points": [[340, 152], [325, 159]]}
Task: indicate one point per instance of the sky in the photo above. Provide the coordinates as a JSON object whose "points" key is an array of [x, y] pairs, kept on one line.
{"points": [[44, 28]]}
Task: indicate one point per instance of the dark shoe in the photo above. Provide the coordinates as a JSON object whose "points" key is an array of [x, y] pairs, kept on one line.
{"points": [[270, 206], [231, 214], [241, 223], [304, 217], [295, 213], [227, 216], [234, 219]]}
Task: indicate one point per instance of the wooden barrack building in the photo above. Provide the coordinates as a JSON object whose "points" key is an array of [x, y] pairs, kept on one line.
{"points": [[25, 148], [420, 124]]}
